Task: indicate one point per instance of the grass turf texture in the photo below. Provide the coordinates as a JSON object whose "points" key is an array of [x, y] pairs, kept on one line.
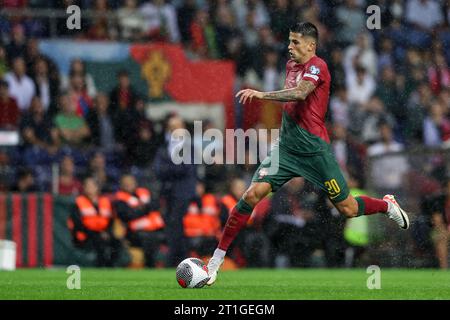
{"points": [[248, 284]]}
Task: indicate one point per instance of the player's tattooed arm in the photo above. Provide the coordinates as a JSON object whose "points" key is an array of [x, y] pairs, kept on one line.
{"points": [[303, 89]]}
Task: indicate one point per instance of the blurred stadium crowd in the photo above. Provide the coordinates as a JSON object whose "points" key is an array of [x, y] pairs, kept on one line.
{"points": [[390, 93]]}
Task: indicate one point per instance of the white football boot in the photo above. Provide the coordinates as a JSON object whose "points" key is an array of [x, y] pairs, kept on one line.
{"points": [[213, 268], [396, 213]]}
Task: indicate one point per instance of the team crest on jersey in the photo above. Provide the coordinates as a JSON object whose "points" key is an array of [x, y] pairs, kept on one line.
{"points": [[263, 172], [314, 70]]}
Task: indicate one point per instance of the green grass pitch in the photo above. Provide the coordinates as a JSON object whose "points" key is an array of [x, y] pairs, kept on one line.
{"points": [[247, 284]]}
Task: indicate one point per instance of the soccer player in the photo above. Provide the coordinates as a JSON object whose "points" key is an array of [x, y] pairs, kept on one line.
{"points": [[303, 148]]}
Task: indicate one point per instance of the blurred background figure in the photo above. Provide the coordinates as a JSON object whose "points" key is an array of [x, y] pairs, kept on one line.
{"points": [[91, 223], [178, 183], [202, 222], [139, 211]]}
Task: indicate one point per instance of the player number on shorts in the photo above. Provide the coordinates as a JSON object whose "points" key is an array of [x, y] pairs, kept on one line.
{"points": [[332, 187]]}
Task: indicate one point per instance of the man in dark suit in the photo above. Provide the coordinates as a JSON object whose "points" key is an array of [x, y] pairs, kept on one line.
{"points": [[178, 183]]}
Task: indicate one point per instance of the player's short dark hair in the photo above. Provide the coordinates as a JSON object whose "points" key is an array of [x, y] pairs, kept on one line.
{"points": [[306, 29]]}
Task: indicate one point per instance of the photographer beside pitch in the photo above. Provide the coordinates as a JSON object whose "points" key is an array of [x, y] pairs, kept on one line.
{"points": [[303, 148]]}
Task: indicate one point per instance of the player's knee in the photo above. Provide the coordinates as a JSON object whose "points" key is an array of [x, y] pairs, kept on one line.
{"points": [[251, 197]]}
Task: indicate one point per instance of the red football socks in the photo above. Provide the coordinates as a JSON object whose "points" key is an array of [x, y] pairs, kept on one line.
{"points": [[234, 224], [368, 205]]}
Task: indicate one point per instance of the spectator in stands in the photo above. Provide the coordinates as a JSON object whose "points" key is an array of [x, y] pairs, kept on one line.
{"points": [[360, 86], [226, 29], [281, 17], [78, 94], [100, 28], [439, 73], [374, 114], [386, 56], [417, 108], [347, 151], [424, 14], [68, 184], [37, 129], [391, 94], [17, 45], [21, 87], [336, 67], [436, 208], [161, 20], [436, 126], [139, 211], [46, 88], [97, 169], [177, 186], [78, 68], [393, 166], [91, 221], [186, 14], [145, 142], [272, 78], [122, 101], [25, 181], [72, 128], [131, 21], [202, 35], [241, 9], [340, 107], [361, 53], [101, 123], [351, 21], [9, 111], [123, 96]]}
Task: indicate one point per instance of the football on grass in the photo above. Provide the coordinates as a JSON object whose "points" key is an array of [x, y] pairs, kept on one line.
{"points": [[192, 273]]}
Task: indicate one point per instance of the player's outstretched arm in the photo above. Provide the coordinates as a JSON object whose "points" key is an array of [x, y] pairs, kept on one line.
{"points": [[303, 89]]}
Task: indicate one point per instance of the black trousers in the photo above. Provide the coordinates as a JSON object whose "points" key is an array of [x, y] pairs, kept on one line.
{"points": [[149, 241], [106, 249], [177, 242]]}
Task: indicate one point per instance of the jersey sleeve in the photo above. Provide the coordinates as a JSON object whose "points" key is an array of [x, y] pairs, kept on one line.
{"points": [[315, 73]]}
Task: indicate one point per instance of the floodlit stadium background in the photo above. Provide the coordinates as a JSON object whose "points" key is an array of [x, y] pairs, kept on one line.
{"points": [[388, 118]]}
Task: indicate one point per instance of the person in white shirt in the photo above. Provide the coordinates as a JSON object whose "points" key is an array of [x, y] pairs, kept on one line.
{"points": [[387, 170], [361, 53], [21, 87], [425, 14], [360, 86], [161, 17]]}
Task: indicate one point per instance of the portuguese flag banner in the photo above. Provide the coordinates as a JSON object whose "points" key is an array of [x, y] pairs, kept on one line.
{"points": [[160, 72]]}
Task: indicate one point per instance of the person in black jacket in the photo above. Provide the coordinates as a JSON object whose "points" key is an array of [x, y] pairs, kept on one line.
{"points": [[138, 210], [178, 183], [101, 123]]}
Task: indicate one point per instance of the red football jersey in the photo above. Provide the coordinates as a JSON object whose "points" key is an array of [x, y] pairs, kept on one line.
{"points": [[309, 114]]}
